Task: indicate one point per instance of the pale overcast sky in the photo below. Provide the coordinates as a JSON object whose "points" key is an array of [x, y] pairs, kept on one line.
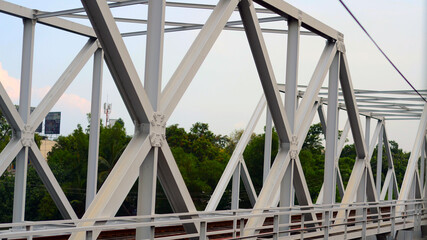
{"points": [[226, 89]]}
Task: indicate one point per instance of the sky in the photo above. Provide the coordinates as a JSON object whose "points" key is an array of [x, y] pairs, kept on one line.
{"points": [[226, 88]]}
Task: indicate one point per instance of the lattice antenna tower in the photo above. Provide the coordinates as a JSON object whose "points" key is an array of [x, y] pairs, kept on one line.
{"points": [[107, 112]]}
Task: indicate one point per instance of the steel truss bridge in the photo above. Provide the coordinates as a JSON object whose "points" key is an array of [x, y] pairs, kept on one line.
{"points": [[368, 208]]}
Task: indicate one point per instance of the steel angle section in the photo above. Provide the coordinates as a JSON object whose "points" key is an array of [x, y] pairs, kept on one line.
{"points": [[235, 157], [118, 183], [265, 70], [52, 185], [9, 153], [62, 84], [195, 56], [119, 61]]}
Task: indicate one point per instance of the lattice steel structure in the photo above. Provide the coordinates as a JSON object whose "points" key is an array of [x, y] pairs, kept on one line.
{"points": [[148, 156]]}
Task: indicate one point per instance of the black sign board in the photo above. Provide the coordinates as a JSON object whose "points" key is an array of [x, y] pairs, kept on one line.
{"points": [[52, 123]]}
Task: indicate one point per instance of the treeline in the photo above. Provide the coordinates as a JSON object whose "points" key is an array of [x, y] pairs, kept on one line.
{"points": [[200, 154]]}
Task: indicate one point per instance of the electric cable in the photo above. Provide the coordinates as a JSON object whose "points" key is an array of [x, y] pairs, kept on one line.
{"points": [[383, 53]]}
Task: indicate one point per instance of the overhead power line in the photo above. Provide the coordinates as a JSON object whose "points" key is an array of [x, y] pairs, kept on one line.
{"points": [[383, 53]]}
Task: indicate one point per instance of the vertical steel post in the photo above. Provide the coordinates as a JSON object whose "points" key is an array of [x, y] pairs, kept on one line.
{"points": [[235, 187], [329, 186], [203, 227], [267, 144], [286, 186], [29, 229], [331, 133], [152, 84], [302, 226], [234, 225], [380, 160], [24, 112], [361, 194], [365, 221], [95, 115], [276, 230], [393, 219], [241, 226]]}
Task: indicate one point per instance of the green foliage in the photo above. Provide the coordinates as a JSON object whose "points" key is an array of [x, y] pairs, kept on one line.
{"points": [[254, 157], [201, 157]]}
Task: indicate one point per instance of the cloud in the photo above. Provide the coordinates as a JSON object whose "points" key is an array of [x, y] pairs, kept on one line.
{"points": [[67, 101], [10, 84]]}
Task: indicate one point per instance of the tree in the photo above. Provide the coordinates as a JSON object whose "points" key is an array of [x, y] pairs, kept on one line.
{"points": [[201, 157]]}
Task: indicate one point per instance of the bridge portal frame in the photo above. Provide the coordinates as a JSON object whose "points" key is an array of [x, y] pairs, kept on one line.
{"points": [[148, 156]]}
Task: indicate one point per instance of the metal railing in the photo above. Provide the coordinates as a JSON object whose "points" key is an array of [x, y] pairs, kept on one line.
{"points": [[361, 220]]}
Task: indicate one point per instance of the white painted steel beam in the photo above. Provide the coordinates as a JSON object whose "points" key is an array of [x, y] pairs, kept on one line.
{"points": [[9, 153], [331, 133], [174, 187], [235, 187], [267, 144], [50, 182], [247, 182], [317, 79], [94, 132], [21, 161], [265, 70], [422, 163], [23, 12], [338, 177], [118, 183], [62, 84], [9, 111], [380, 159], [269, 195], [351, 106], [413, 159], [387, 182], [374, 139], [392, 185], [235, 157], [147, 181], [322, 119], [269, 190], [292, 63], [119, 61], [195, 56], [288, 11]]}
